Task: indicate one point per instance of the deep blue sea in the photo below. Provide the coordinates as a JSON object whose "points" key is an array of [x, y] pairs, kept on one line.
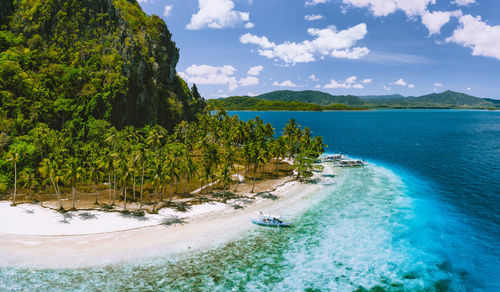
{"points": [[424, 215]]}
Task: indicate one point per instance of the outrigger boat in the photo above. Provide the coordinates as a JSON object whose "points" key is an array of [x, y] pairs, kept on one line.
{"points": [[270, 221], [351, 163], [334, 157]]}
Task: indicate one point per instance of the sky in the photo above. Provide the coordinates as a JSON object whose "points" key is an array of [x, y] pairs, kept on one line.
{"points": [[359, 47]]}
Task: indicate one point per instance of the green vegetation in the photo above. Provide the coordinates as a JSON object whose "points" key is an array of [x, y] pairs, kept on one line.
{"points": [[312, 96], [257, 104], [309, 100], [210, 150], [66, 62], [446, 99]]}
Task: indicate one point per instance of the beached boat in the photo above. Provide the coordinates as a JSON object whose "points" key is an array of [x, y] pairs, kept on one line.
{"points": [[270, 221], [351, 163], [334, 157]]}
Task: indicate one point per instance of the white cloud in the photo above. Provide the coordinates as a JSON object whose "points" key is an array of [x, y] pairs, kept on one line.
{"points": [[313, 78], [328, 41], [434, 21], [253, 39], [411, 85], [317, 86], [312, 17], [315, 2], [387, 88], [350, 82], [249, 25], [217, 14], [386, 7], [483, 39], [167, 10], [469, 89], [205, 74], [286, 83], [249, 81], [400, 82], [351, 79], [367, 80], [437, 84], [463, 2], [251, 94], [255, 71]]}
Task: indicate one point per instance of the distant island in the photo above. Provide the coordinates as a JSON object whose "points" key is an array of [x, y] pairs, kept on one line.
{"points": [[310, 100]]}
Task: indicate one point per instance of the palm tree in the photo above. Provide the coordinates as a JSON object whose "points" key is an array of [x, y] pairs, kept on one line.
{"points": [[27, 177], [140, 159], [14, 159], [49, 169], [74, 173]]}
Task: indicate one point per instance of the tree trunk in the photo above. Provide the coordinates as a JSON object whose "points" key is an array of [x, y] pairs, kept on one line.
{"points": [[171, 191], [277, 165], [187, 185], [57, 193], [142, 183], [114, 188], [176, 186], [73, 191], [254, 176], [134, 190], [109, 188], [125, 199], [237, 179], [15, 184], [155, 194], [95, 192]]}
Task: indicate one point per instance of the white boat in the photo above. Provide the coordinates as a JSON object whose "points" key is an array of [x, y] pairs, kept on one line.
{"points": [[334, 157], [270, 221], [351, 163]]}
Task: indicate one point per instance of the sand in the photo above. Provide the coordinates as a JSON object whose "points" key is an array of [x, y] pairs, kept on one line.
{"points": [[36, 237]]}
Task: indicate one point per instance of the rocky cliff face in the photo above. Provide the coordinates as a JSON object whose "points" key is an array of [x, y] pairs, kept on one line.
{"points": [[103, 59]]}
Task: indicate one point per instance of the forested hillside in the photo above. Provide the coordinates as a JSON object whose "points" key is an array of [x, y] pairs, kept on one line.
{"points": [[312, 96], [65, 62]]}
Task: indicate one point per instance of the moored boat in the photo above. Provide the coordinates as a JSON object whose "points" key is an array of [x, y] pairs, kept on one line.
{"points": [[270, 221], [351, 163]]}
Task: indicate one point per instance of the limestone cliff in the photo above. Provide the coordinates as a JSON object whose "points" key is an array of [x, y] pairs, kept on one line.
{"points": [[64, 62]]}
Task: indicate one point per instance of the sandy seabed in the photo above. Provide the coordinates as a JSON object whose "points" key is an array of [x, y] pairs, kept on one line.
{"points": [[35, 237]]}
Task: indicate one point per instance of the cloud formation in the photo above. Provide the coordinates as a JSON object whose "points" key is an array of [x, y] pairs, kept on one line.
{"points": [[463, 2], [483, 39], [224, 75], [311, 17], [315, 2], [167, 10], [217, 14], [350, 82], [255, 71], [286, 83], [326, 42]]}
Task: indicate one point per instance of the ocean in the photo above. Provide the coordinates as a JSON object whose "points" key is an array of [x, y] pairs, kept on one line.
{"points": [[423, 215]]}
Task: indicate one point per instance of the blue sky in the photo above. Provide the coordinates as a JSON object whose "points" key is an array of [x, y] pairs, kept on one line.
{"points": [[360, 47]]}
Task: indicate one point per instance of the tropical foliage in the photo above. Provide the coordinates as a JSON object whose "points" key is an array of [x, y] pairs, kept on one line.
{"points": [[129, 161], [258, 104]]}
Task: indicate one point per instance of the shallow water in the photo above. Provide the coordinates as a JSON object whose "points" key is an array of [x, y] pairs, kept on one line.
{"points": [[404, 223]]}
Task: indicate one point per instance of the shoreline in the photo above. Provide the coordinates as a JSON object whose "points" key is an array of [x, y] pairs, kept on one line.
{"points": [[200, 232]]}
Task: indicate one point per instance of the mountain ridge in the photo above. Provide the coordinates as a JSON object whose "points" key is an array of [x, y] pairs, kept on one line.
{"points": [[445, 99]]}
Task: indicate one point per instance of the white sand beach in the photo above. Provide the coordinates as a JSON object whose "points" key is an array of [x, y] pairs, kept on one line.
{"points": [[35, 237]]}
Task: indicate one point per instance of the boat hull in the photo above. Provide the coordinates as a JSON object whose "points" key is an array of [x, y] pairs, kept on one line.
{"points": [[271, 224]]}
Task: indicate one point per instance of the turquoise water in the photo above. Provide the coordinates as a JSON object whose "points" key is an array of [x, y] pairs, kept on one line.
{"points": [[423, 216]]}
